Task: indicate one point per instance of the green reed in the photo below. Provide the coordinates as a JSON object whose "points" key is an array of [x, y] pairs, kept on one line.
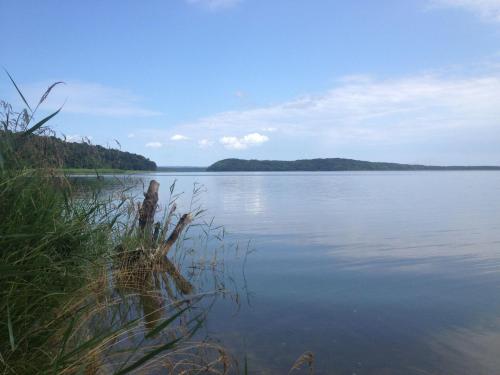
{"points": [[69, 292]]}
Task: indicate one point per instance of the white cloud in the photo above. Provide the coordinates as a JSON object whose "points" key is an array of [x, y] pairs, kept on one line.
{"points": [[234, 143], [486, 9], [179, 137], [215, 4], [255, 139], [131, 135], [204, 143], [90, 98], [368, 109], [154, 144]]}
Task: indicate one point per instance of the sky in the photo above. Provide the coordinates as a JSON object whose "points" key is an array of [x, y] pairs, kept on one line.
{"points": [[190, 82]]}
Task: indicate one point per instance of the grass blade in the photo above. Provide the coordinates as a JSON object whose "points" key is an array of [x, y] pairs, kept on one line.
{"points": [[148, 356], [18, 91], [40, 123], [164, 324], [11, 330]]}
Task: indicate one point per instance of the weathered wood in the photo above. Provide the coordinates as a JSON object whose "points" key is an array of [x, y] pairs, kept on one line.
{"points": [[182, 223], [148, 208]]}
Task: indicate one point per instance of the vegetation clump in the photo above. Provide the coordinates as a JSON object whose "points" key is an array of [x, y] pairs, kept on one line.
{"points": [[85, 282]]}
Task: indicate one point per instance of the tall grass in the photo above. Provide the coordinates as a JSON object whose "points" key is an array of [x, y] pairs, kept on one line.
{"points": [[80, 290], [47, 245]]}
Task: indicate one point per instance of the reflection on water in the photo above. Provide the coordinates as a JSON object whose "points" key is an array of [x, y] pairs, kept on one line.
{"points": [[155, 287], [376, 273]]}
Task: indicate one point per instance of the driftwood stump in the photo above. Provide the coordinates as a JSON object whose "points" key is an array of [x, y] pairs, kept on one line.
{"points": [[146, 220], [148, 208], [148, 264]]}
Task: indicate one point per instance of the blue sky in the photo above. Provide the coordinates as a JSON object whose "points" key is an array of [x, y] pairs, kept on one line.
{"points": [[189, 82]]}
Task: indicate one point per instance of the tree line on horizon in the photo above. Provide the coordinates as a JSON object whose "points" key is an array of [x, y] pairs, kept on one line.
{"points": [[328, 164]]}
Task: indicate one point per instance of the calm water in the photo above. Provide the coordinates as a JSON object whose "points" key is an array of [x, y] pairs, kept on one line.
{"points": [[376, 273]]}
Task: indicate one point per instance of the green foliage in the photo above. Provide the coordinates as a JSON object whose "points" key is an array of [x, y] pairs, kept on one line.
{"points": [[27, 145], [33, 150], [47, 242], [332, 164], [66, 298], [61, 311]]}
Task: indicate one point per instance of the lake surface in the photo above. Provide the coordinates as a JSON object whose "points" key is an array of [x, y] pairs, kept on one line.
{"points": [[373, 272]]}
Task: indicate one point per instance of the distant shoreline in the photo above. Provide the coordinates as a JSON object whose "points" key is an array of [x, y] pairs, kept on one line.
{"points": [[104, 171], [330, 165], [91, 171], [100, 171]]}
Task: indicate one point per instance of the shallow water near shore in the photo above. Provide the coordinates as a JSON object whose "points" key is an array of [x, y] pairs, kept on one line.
{"points": [[374, 272]]}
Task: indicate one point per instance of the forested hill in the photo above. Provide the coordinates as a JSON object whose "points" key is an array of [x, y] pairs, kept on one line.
{"points": [[332, 164], [36, 150]]}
